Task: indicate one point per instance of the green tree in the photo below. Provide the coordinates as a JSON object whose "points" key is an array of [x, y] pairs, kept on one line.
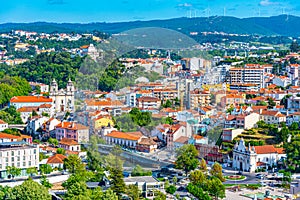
{"points": [[13, 171], [159, 195], [197, 177], [283, 134], [53, 141], [167, 120], [38, 89], [78, 191], [61, 151], [45, 182], [73, 163], [10, 115], [187, 158], [294, 126], [203, 165], [93, 156], [34, 113], [216, 171], [171, 189], [271, 103], [139, 171], [133, 192], [198, 192], [174, 179], [46, 169], [292, 150], [216, 188], [167, 104], [31, 171], [110, 195], [261, 103], [30, 189], [117, 182]]}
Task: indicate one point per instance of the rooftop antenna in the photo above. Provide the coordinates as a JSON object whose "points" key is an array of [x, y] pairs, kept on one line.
{"points": [[224, 11], [287, 17], [190, 13], [259, 12]]}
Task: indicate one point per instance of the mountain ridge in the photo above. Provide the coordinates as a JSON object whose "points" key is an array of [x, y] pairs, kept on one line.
{"points": [[282, 25]]}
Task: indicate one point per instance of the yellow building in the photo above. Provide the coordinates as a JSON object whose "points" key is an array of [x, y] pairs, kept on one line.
{"points": [[103, 122]]}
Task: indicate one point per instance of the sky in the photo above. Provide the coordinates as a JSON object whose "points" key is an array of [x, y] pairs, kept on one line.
{"points": [[84, 11]]}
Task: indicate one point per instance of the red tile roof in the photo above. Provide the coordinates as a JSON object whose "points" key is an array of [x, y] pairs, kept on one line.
{"points": [[68, 142], [148, 99], [2, 122], [126, 136], [56, 159], [71, 126], [8, 136], [26, 99], [28, 109], [266, 149]]}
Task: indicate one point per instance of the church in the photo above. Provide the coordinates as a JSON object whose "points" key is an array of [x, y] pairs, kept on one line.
{"points": [[63, 99], [253, 157]]}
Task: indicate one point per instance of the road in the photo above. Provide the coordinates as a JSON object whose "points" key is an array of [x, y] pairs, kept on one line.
{"points": [[250, 178]]}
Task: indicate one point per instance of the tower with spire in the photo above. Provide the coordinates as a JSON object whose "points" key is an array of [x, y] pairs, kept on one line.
{"points": [[63, 99]]}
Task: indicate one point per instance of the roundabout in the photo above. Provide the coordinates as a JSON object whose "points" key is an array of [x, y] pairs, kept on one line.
{"points": [[235, 177]]}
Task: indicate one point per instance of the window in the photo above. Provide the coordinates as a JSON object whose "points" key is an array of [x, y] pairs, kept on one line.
{"points": [[18, 164], [29, 163], [18, 158], [6, 159], [12, 159], [24, 164], [12, 153], [34, 151], [24, 157], [267, 159], [19, 152]]}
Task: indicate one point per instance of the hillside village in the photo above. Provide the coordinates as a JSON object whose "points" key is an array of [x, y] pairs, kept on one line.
{"points": [[240, 110]]}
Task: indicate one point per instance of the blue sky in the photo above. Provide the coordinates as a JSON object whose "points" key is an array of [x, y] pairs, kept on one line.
{"points": [[131, 10]]}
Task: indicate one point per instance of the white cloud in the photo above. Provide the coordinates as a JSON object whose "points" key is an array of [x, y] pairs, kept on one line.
{"points": [[267, 3]]}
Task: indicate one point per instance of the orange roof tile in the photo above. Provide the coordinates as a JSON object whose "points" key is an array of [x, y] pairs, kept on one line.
{"points": [[71, 126], [57, 158], [122, 135], [28, 109], [68, 142], [26, 99], [8, 136], [148, 99], [2, 122], [45, 105], [266, 149]]}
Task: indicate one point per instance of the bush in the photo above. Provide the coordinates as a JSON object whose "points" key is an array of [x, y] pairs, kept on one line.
{"points": [[171, 189]]}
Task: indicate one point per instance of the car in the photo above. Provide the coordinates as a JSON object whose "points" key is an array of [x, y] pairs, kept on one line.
{"points": [[258, 175]]}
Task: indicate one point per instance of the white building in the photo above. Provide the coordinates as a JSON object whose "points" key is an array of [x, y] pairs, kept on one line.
{"points": [[27, 101], [252, 157], [63, 99], [14, 152], [3, 125]]}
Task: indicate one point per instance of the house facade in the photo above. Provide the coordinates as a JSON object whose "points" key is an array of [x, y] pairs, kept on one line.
{"points": [[252, 157]]}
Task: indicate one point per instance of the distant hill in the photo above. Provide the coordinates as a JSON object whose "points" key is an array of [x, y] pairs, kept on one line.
{"points": [[277, 25]]}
